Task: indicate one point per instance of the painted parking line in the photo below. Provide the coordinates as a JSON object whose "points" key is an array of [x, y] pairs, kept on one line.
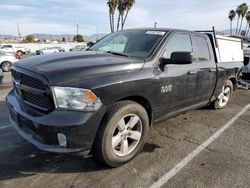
{"points": [[170, 174], [4, 127]]}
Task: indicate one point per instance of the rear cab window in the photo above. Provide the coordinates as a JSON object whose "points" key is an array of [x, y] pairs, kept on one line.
{"points": [[202, 52]]}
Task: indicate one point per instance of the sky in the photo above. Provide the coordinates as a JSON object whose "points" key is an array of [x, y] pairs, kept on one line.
{"points": [[61, 16]]}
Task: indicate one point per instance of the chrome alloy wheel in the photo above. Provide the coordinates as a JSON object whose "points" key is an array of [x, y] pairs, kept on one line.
{"points": [[127, 135], [224, 96], [6, 66]]}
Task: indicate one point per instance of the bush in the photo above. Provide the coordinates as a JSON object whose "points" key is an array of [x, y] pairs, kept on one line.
{"points": [[30, 38], [78, 38]]}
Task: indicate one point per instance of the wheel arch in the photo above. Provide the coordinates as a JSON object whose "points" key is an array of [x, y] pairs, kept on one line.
{"points": [[143, 102], [234, 81]]}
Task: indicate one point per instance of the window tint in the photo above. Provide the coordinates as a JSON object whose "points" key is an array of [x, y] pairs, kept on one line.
{"points": [[7, 46], [132, 43], [202, 49], [178, 43], [117, 44]]}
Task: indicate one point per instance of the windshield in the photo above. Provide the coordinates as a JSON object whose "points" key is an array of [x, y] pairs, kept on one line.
{"points": [[130, 43]]}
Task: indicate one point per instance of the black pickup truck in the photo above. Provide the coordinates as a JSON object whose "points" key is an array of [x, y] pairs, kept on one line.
{"points": [[103, 101]]}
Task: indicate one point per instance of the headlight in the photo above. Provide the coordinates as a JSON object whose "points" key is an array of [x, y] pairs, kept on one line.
{"points": [[75, 99]]}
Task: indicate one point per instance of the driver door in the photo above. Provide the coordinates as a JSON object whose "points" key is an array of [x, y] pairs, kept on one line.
{"points": [[174, 78]]}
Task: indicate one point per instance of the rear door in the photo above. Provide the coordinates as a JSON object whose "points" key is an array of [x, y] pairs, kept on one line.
{"points": [[202, 84]]}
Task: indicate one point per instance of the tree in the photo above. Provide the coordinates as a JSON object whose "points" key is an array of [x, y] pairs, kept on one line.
{"points": [[112, 4], [231, 16], [238, 12], [30, 38], [243, 10], [129, 5], [63, 39], [78, 38], [248, 22], [121, 8]]}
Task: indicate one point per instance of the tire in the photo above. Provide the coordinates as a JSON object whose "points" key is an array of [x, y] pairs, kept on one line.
{"points": [[20, 51], [118, 141], [224, 97], [6, 66]]}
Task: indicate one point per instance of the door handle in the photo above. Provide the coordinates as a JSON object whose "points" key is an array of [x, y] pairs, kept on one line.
{"points": [[212, 70], [192, 72]]}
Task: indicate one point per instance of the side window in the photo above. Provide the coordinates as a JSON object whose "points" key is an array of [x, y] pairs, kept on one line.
{"points": [[202, 50], [178, 43]]}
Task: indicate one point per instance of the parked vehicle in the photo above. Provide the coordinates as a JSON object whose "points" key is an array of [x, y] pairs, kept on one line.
{"points": [[79, 48], [1, 76], [47, 50], [61, 49], [103, 101], [23, 50], [6, 60], [247, 51], [7, 48], [243, 77]]}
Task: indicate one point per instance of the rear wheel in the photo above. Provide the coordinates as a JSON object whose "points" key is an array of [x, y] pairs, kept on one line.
{"points": [[122, 133], [6, 66], [223, 99]]}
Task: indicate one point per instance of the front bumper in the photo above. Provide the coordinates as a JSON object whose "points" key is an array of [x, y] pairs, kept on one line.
{"points": [[42, 130]]}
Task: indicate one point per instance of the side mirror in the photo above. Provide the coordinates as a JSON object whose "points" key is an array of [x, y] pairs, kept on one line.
{"points": [[181, 58], [178, 58], [89, 44]]}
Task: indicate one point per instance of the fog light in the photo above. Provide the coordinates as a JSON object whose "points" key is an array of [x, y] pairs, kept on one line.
{"points": [[62, 139]]}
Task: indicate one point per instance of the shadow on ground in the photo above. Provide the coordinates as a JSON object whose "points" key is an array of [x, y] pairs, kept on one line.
{"points": [[21, 159], [4, 117]]}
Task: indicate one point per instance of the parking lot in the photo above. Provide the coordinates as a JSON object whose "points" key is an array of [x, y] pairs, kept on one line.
{"points": [[225, 162]]}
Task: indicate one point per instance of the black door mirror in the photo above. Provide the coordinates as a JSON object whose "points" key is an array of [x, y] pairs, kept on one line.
{"points": [[179, 58]]}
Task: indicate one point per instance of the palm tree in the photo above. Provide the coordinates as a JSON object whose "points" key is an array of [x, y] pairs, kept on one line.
{"points": [[243, 11], [112, 4], [231, 16], [121, 8], [129, 5], [238, 12], [247, 24]]}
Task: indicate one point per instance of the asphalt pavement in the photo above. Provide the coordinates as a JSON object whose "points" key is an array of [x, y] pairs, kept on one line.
{"points": [[223, 163]]}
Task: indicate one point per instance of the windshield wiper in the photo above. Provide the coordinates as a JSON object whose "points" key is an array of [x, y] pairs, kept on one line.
{"points": [[117, 53]]}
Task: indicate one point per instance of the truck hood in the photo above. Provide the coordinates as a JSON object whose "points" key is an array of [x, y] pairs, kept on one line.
{"points": [[73, 66]]}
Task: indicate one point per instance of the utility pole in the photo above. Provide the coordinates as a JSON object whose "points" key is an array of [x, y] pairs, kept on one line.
{"points": [[155, 24], [77, 26], [18, 32], [97, 35]]}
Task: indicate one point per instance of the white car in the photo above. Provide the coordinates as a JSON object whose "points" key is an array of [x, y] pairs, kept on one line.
{"points": [[23, 50], [79, 48], [246, 50], [47, 50], [7, 48], [6, 60]]}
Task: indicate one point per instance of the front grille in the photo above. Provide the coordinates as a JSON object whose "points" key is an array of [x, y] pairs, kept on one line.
{"points": [[39, 101], [28, 80], [32, 91]]}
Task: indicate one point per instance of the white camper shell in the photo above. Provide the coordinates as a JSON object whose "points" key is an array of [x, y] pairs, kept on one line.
{"points": [[228, 48]]}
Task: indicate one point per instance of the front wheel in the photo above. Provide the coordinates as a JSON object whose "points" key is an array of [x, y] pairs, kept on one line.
{"points": [[6, 66], [122, 133], [223, 99]]}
